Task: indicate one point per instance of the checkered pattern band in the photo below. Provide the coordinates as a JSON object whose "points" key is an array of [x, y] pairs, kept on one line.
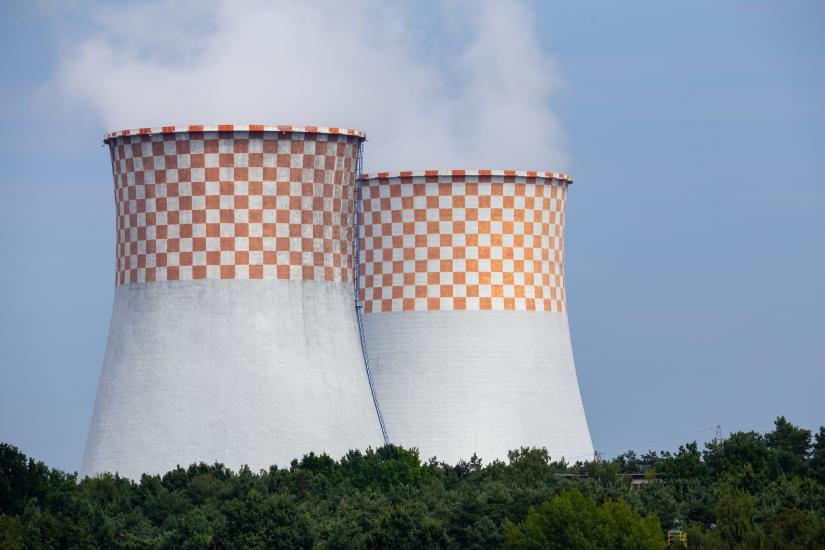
{"points": [[234, 204], [462, 240]]}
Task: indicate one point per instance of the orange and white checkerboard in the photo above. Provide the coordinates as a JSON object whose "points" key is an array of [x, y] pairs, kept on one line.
{"points": [[462, 240], [234, 202]]}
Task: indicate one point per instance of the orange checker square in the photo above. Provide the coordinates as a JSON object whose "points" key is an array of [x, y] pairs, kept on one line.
{"points": [[226, 160], [226, 188], [240, 145], [241, 201]]}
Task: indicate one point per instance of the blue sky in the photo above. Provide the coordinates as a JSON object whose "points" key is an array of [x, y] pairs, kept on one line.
{"points": [[695, 132]]}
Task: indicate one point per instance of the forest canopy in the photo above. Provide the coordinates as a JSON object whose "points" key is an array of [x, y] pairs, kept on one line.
{"points": [[749, 491]]}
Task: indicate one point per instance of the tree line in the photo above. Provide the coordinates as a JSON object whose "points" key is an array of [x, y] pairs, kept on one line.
{"points": [[749, 491]]}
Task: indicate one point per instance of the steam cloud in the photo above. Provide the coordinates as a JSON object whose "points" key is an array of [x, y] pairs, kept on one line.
{"points": [[467, 86]]}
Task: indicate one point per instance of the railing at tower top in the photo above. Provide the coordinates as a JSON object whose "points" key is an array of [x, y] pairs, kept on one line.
{"points": [[358, 306]]}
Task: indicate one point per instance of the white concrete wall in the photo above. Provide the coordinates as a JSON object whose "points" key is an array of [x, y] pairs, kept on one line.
{"points": [[457, 382], [236, 371]]}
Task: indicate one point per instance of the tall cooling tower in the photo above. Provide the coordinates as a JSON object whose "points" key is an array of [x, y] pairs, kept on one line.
{"points": [[233, 335], [462, 293]]}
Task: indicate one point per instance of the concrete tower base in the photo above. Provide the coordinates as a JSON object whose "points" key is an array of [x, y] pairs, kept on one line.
{"points": [[454, 383], [180, 385]]}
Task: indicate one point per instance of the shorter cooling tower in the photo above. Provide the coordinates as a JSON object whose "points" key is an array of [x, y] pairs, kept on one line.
{"points": [[233, 335], [462, 293]]}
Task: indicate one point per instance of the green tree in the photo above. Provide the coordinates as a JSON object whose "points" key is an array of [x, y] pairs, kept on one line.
{"points": [[791, 445], [572, 520], [818, 456], [736, 528]]}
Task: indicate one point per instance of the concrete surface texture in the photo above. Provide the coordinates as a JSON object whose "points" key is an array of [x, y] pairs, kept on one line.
{"points": [[239, 372], [454, 383]]}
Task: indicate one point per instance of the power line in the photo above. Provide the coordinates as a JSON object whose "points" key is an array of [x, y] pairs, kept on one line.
{"points": [[602, 451]]}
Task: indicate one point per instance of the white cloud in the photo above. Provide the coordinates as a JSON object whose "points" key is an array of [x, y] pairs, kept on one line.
{"points": [[477, 97]]}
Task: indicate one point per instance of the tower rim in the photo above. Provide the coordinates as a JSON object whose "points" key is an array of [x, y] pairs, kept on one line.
{"points": [[190, 128], [546, 175]]}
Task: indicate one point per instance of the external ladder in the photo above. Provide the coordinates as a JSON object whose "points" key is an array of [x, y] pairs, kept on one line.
{"points": [[358, 304]]}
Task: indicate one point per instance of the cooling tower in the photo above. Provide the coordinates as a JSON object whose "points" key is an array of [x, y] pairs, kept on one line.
{"points": [[462, 293], [233, 335]]}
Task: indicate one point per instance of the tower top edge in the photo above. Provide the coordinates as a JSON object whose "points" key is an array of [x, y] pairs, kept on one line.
{"points": [[234, 128], [459, 174]]}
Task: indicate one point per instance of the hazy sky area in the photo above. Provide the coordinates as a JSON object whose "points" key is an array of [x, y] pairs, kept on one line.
{"points": [[695, 132]]}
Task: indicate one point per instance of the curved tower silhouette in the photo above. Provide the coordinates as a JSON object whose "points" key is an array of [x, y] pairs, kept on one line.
{"points": [[233, 335], [464, 315]]}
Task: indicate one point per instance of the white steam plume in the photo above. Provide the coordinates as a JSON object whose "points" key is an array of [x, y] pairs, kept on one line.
{"points": [[478, 97]]}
